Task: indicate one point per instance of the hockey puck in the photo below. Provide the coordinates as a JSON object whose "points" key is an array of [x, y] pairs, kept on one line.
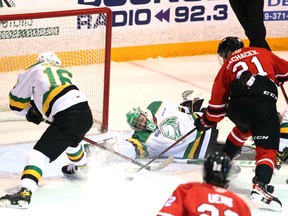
{"points": [[129, 178]]}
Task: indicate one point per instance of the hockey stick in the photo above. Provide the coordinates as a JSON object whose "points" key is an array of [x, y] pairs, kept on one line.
{"points": [[162, 165], [163, 152], [243, 163]]}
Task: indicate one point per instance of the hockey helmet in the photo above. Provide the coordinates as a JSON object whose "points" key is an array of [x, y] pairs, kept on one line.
{"points": [[140, 120], [228, 45], [49, 57], [216, 169]]}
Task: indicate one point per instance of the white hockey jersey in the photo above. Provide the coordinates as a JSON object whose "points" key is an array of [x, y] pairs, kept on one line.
{"points": [[172, 124], [50, 87]]}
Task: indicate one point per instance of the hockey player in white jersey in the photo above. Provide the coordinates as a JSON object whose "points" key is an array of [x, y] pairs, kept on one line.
{"points": [[161, 124], [282, 154], [46, 91]]}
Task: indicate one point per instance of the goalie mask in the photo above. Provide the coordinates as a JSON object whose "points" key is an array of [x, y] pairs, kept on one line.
{"points": [[140, 120], [227, 46], [49, 57], [216, 170]]}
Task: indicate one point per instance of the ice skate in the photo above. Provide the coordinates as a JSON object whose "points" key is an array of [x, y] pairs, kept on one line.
{"points": [[75, 172], [261, 195], [20, 199]]}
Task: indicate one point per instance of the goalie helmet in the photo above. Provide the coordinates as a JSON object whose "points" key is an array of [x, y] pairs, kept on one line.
{"points": [[49, 57], [140, 120], [216, 169], [228, 45]]}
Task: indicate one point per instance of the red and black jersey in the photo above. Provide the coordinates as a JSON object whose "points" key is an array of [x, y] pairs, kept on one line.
{"points": [[256, 60], [194, 198]]}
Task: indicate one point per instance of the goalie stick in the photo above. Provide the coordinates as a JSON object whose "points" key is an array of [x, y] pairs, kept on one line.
{"points": [[162, 165], [163, 152], [240, 163], [235, 169]]}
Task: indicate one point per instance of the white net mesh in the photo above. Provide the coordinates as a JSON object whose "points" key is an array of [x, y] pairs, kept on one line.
{"points": [[80, 38]]}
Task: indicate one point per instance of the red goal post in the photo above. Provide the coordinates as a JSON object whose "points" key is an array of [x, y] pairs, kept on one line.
{"points": [[82, 40]]}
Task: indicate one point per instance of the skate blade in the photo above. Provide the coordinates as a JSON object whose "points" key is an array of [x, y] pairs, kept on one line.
{"points": [[7, 204], [274, 206]]}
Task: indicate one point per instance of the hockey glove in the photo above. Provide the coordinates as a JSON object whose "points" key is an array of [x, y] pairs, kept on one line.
{"points": [[246, 80], [188, 104], [200, 125], [34, 115]]}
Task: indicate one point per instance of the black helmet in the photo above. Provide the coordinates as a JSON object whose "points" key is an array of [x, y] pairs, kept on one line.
{"points": [[216, 169], [229, 45]]}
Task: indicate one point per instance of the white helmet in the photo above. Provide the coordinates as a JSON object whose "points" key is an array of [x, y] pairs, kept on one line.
{"points": [[49, 57]]}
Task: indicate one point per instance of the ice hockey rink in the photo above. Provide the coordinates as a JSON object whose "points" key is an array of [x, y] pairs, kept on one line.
{"points": [[106, 192]]}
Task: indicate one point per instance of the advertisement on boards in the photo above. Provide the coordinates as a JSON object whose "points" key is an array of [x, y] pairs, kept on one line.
{"points": [[161, 22]]}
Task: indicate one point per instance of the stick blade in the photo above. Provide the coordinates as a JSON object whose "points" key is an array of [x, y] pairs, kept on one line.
{"points": [[161, 165]]}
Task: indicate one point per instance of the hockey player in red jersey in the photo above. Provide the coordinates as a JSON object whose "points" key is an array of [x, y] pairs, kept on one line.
{"points": [[245, 90], [210, 197]]}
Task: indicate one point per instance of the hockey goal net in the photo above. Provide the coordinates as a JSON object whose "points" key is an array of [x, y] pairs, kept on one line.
{"points": [[81, 39]]}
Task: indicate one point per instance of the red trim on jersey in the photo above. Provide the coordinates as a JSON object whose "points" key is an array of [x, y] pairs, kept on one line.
{"points": [[265, 156], [237, 137], [257, 61]]}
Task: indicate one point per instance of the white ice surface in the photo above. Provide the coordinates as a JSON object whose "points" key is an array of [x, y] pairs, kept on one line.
{"points": [[106, 192]]}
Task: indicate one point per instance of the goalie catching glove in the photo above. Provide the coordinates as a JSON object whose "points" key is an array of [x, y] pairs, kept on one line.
{"points": [[34, 115], [192, 100]]}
